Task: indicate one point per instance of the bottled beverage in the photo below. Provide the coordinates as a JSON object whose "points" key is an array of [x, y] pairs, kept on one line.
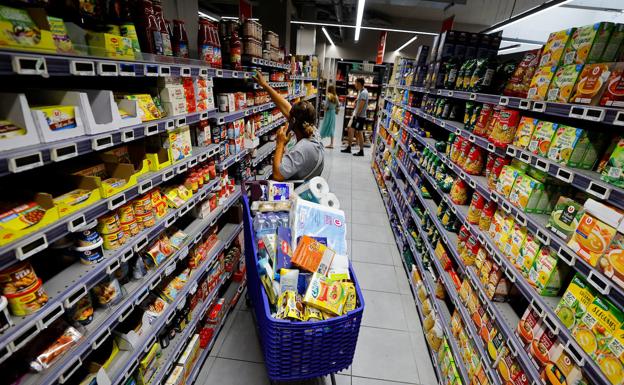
{"points": [[150, 36], [162, 26], [204, 43], [235, 51], [180, 39], [214, 35]]}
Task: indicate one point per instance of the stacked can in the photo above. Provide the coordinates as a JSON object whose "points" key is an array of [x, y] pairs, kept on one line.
{"points": [[144, 211], [109, 226], [22, 289]]}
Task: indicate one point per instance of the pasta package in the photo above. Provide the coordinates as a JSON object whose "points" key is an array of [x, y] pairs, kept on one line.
{"points": [[475, 160], [459, 192], [518, 84], [504, 128]]}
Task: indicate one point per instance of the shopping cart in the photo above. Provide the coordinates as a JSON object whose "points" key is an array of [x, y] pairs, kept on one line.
{"points": [[299, 350]]}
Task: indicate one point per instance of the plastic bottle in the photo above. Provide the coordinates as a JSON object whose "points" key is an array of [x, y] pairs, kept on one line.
{"points": [[216, 43], [235, 51], [148, 30], [162, 26], [180, 39], [204, 43]]}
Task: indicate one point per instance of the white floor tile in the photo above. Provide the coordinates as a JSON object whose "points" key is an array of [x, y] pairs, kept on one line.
{"points": [[383, 310], [371, 233], [372, 381], [371, 252], [242, 341], [234, 372], [376, 277]]}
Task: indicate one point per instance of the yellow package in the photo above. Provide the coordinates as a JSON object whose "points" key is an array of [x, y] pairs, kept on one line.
{"points": [[598, 326], [555, 46], [18, 30], [574, 302], [526, 126], [611, 358], [351, 301], [147, 109], [527, 254], [506, 180], [564, 142], [325, 294], [290, 307], [561, 86], [58, 117], [516, 240], [109, 45], [313, 314], [540, 82]]}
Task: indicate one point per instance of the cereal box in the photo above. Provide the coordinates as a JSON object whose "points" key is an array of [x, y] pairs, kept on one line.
{"points": [[574, 302], [555, 47], [596, 328], [546, 273], [562, 84], [591, 83], [527, 254], [613, 94], [525, 193], [565, 217], [564, 141], [506, 180], [325, 294], [611, 358], [582, 41], [538, 88], [312, 256], [542, 137], [526, 126]]}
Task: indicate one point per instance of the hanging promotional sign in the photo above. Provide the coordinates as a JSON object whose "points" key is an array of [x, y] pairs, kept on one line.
{"points": [[381, 47]]}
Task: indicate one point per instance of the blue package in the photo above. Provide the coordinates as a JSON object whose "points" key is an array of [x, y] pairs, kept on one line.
{"points": [[283, 249], [321, 240], [303, 282]]}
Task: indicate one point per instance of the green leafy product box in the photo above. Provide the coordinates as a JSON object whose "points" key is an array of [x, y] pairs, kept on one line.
{"points": [[565, 217], [614, 169], [610, 52], [574, 302]]}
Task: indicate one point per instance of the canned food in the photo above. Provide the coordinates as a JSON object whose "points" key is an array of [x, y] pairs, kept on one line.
{"points": [[88, 237], [147, 220], [90, 255], [28, 301], [130, 228], [126, 213], [142, 206], [108, 224], [17, 278], [114, 241]]}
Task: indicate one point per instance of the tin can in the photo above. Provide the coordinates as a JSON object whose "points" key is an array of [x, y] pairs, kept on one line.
{"points": [[90, 255], [108, 224], [114, 240], [142, 205], [126, 213], [130, 228], [28, 301], [17, 278], [88, 237], [147, 220]]}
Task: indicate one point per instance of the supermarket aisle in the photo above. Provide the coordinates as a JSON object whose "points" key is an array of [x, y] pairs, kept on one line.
{"points": [[391, 348]]}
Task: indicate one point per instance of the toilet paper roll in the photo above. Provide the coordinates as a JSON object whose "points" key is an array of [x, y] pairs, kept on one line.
{"points": [[312, 191], [330, 200]]}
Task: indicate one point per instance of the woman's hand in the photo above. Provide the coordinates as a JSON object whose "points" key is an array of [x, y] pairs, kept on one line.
{"points": [[283, 136], [260, 79]]}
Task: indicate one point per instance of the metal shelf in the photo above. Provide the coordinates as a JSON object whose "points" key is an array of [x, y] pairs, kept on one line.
{"points": [[310, 97], [264, 63], [263, 152], [265, 129]]}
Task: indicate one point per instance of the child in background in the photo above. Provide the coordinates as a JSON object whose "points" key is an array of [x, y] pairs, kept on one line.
{"points": [[329, 121]]}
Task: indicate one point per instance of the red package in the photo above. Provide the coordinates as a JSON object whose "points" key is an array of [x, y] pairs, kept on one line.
{"points": [[483, 120], [475, 160], [499, 163], [518, 84], [504, 130], [491, 158]]}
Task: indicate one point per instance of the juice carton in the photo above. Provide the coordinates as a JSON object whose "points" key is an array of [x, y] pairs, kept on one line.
{"points": [[325, 294], [562, 84], [527, 254], [506, 180], [538, 88], [583, 40], [612, 262], [591, 83], [574, 302], [613, 95], [611, 50], [542, 138], [546, 273], [312, 256], [525, 193], [565, 217], [555, 47], [525, 131], [597, 327], [564, 142], [517, 237], [611, 358], [613, 171], [595, 230]]}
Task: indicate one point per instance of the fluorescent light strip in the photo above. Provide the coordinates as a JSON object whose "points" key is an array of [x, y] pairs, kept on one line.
{"points": [[207, 16], [407, 43], [526, 14], [510, 47], [327, 36], [358, 18], [363, 27], [236, 18]]}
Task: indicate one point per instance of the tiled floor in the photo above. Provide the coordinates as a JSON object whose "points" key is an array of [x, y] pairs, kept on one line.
{"points": [[391, 347]]}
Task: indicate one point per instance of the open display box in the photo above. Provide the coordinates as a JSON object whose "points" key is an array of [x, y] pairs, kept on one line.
{"points": [[46, 123], [27, 218], [101, 112], [14, 107]]}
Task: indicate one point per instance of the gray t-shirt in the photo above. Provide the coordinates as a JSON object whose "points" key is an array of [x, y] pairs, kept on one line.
{"points": [[302, 159], [363, 95]]}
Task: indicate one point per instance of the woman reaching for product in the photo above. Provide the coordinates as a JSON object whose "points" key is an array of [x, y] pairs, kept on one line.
{"points": [[329, 121], [305, 159]]}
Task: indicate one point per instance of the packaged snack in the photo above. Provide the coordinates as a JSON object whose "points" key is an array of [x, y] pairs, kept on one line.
{"points": [[351, 300], [613, 171], [506, 180], [595, 230], [147, 108], [518, 84], [538, 88], [58, 117], [289, 279], [591, 83], [547, 273], [613, 94], [596, 328], [107, 292], [325, 294], [62, 344], [494, 174], [474, 161], [313, 256], [526, 126], [480, 127], [486, 215], [17, 278], [313, 314], [582, 41], [171, 291], [27, 301], [563, 83], [542, 138], [82, 311], [565, 217], [476, 206], [459, 192], [149, 364], [555, 47], [289, 307], [574, 302]]}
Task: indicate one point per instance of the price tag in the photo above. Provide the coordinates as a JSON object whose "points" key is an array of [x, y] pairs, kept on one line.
{"points": [[127, 136], [82, 68], [185, 71], [539, 106], [102, 142], [503, 101], [576, 112], [25, 162], [29, 65], [107, 69], [619, 119]]}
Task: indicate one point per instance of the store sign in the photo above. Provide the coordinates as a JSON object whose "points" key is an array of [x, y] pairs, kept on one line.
{"points": [[244, 10], [381, 47]]}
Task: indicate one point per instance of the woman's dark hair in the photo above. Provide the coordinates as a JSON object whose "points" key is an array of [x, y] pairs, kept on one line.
{"points": [[360, 80], [303, 118]]}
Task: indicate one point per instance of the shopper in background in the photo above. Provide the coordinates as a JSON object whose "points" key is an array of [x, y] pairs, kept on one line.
{"points": [[329, 121], [359, 118], [305, 159]]}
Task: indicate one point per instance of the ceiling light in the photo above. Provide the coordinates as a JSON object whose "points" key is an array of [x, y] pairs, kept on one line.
{"points": [[207, 16], [327, 36], [411, 32], [407, 43], [509, 47], [358, 18], [236, 18], [525, 15]]}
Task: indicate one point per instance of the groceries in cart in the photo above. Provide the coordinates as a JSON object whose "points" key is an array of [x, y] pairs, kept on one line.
{"points": [[302, 251]]}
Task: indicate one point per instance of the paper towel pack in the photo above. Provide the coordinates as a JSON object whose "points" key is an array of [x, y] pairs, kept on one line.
{"points": [[315, 220]]}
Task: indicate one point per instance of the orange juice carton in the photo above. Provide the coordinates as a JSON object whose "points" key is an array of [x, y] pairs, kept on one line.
{"points": [[612, 262], [574, 302], [611, 358], [595, 231], [591, 83], [506, 180], [526, 126], [312, 256], [613, 95], [542, 138], [564, 142], [525, 193], [562, 84], [547, 273], [325, 294], [596, 328], [555, 47], [538, 88], [583, 40], [527, 254], [565, 217]]}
